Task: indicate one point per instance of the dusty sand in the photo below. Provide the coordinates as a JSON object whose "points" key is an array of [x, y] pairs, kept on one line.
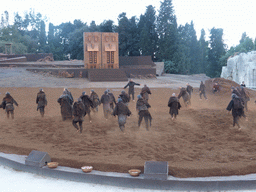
{"points": [[201, 142]]}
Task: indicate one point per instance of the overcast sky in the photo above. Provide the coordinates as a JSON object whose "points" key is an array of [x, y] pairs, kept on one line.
{"points": [[234, 17]]}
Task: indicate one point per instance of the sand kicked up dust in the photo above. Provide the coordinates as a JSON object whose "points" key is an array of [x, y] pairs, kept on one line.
{"points": [[201, 142]]}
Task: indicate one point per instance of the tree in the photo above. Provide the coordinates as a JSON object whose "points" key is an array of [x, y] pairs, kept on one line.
{"points": [[5, 21], [133, 49], [194, 51], [76, 47], [244, 36], [78, 24], [203, 52], [246, 45], [107, 26], [148, 34], [167, 31], [217, 50], [255, 44], [93, 27], [124, 35], [18, 22], [42, 36]]}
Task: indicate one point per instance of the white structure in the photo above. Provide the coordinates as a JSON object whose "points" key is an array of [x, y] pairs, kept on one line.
{"points": [[240, 68], [159, 68]]}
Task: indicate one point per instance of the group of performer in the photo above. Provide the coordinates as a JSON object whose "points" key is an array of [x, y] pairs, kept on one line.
{"points": [[85, 103], [76, 111]]}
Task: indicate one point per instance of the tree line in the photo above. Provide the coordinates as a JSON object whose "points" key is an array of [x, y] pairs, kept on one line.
{"points": [[154, 33]]}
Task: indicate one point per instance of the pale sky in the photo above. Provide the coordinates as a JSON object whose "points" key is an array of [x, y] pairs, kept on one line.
{"points": [[234, 17]]}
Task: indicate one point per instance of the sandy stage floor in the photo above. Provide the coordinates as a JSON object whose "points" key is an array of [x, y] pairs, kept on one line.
{"points": [[202, 142]]}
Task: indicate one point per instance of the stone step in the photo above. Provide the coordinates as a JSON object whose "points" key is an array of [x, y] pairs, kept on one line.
{"points": [[106, 75]]}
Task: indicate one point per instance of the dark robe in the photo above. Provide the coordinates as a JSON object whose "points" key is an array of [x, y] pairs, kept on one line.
{"points": [[121, 108], [236, 91], [105, 100], [95, 99], [8, 102], [189, 90], [131, 85], [202, 88], [142, 106], [79, 111], [235, 112], [112, 100], [87, 103], [125, 97], [184, 94], [41, 100], [66, 106], [145, 91], [174, 105], [122, 111]]}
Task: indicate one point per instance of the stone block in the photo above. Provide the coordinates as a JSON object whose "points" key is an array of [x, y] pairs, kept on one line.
{"points": [[37, 158], [156, 170]]}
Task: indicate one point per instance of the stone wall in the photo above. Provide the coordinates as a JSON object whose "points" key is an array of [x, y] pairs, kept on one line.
{"points": [[29, 57], [240, 68]]}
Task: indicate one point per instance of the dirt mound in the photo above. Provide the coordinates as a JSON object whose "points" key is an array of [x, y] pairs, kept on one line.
{"points": [[225, 84], [46, 59], [201, 142], [225, 87]]}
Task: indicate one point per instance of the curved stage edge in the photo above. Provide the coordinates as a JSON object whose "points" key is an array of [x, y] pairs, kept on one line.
{"points": [[246, 182]]}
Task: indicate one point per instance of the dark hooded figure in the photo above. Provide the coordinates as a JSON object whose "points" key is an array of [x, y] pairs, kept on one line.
{"points": [[145, 91], [174, 105], [66, 106], [131, 85], [125, 97], [202, 90], [70, 95], [105, 100], [112, 99], [79, 113], [189, 90], [184, 94], [245, 96], [87, 104], [7, 104], [122, 111], [235, 90], [41, 101], [142, 107], [236, 105], [95, 100]]}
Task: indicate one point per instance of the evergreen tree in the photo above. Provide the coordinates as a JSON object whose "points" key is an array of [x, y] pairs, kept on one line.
{"points": [[93, 27], [182, 54], [203, 54], [167, 31], [76, 46], [107, 26], [42, 37], [194, 53], [217, 50], [18, 22], [148, 34], [124, 35], [133, 48]]}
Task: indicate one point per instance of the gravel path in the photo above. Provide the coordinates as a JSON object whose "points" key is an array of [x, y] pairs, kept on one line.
{"points": [[19, 77]]}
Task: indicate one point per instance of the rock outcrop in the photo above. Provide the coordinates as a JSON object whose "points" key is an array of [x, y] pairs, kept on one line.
{"points": [[240, 68]]}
